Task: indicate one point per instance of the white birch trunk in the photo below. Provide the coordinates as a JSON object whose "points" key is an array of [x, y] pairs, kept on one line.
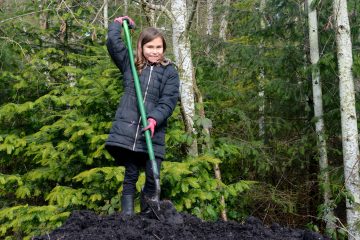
{"points": [[182, 52], [126, 7], [210, 21], [149, 12], [223, 30], [43, 15], [106, 15], [210, 16], [223, 20], [261, 120], [329, 217], [348, 116], [151, 16]]}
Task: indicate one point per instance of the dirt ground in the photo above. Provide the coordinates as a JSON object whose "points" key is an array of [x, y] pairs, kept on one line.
{"points": [[169, 224]]}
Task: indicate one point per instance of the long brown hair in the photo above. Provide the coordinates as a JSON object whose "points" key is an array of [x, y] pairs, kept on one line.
{"points": [[147, 35]]}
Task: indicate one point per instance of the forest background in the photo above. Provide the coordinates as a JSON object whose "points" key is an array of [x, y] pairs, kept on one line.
{"points": [[253, 119]]}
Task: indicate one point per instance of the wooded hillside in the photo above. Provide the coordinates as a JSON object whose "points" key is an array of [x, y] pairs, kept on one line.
{"points": [[266, 124]]}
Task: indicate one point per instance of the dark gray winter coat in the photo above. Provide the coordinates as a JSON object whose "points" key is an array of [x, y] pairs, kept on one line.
{"points": [[160, 88]]}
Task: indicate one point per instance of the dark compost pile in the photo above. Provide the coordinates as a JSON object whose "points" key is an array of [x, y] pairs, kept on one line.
{"points": [[169, 224]]}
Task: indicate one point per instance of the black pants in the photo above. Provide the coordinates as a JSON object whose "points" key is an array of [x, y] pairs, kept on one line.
{"points": [[134, 162]]}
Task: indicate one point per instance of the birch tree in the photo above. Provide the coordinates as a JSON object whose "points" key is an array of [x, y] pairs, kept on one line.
{"points": [[319, 120], [182, 53], [149, 12], [223, 20], [44, 23], [223, 30], [348, 116], [106, 15], [126, 7], [262, 78], [210, 21]]}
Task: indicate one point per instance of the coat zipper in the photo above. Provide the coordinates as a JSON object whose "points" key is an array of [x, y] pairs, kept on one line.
{"points": [[145, 94]]}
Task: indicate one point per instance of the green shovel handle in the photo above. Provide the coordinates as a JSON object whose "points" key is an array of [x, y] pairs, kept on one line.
{"points": [[140, 101]]}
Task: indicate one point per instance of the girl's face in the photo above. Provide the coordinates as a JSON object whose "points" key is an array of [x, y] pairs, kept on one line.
{"points": [[153, 51]]}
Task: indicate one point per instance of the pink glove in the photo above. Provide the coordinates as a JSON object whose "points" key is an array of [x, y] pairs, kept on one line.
{"points": [[131, 22], [151, 126]]}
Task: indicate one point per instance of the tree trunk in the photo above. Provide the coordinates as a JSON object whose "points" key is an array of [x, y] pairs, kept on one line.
{"points": [[126, 7], [223, 30], [182, 52], [197, 18], [328, 215], [106, 15], [44, 23], [209, 22], [149, 12], [348, 116], [261, 120], [223, 20]]}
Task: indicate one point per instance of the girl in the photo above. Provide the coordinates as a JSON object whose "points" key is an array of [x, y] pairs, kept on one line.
{"points": [[159, 82]]}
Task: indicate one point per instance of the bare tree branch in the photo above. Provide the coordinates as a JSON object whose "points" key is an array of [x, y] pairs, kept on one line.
{"points": [[160, 8], [23, 15], [97, 14], [72, 13], [14, 42], [115, 12]]}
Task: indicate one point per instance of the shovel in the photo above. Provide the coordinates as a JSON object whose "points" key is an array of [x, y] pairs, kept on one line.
{"points": [[144, 122]]}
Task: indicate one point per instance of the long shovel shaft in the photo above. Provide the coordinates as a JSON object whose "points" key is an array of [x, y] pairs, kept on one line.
{"points": [[141, 106]]}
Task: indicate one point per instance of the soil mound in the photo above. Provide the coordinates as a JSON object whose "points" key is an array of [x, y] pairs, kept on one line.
{"points": [[169, 224]]}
